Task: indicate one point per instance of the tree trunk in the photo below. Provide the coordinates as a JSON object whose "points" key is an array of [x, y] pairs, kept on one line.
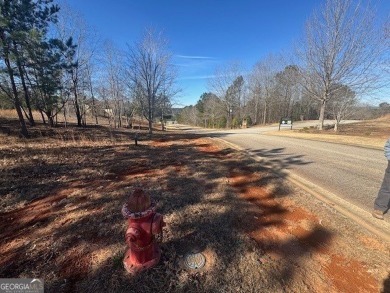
{"points": [[43, 117], [77, 108], [16, 101], [337, 122], [150, 114], [51, 120], [228, 121], [256, 109], [119, 115], [23, 127], [84, 117], [76, 100], [26, 94], [150, 122], [94, 110], [25, 114], [65, 121], [322, 114]]}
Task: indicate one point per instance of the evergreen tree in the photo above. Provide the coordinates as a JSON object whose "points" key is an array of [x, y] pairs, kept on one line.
{"points": [[48, 60], [19, 21]]}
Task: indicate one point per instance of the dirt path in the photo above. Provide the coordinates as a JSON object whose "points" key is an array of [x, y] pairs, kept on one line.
{"points": [[258, 232]]}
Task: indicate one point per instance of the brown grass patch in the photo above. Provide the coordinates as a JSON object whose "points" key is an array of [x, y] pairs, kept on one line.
{"points": [[60, 215], [369, 133]]}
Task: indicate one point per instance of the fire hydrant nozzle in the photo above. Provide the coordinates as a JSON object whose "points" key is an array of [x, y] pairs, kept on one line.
{"points": [[132, 234], [143, 226]]}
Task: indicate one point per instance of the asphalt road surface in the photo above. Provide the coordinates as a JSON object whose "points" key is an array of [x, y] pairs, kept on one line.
{"points": [[349, 172]]}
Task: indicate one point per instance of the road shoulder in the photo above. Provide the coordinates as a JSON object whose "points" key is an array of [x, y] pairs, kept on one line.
{"points": [[311, 237], [367, 142]]}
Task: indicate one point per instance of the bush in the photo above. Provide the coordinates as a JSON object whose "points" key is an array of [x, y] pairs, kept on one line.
{"points": [[221, 122], [236, 122], [248, 121]]}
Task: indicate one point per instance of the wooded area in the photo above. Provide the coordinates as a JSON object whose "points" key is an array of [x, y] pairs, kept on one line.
{"points": [[343, 56], [53, 63], [49, 64]]}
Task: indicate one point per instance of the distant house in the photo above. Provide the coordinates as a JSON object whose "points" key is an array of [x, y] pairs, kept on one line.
{"points": [[109, 112], [169, 119]]}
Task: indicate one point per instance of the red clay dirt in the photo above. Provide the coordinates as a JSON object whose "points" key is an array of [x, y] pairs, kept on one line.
{"points": [[347, 275], [282, 221], [301, 242]]}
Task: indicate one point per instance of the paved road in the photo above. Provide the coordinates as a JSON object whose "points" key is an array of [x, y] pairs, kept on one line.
{"points": [[351, 173]]}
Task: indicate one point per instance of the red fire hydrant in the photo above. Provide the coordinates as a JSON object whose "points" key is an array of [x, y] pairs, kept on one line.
{"points": [[144, 224]]}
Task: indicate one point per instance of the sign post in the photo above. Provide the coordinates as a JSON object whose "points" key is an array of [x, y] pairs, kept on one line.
{"points": [[286, 122]]}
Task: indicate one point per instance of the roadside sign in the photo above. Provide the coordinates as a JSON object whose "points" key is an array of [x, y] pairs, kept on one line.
{"points": [[286, 122]]}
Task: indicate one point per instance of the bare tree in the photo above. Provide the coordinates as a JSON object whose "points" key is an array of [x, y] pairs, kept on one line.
{"points": [[77, 79], [188, 115], [114, 81], [150, 73], [91, 89], [227, 85], [341, 48], [288, 89], [386, 42], [255, 100], [263, 84], [342, 105]]}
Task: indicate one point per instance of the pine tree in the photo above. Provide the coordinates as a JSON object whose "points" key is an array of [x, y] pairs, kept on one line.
{"points": [[19, 20]]}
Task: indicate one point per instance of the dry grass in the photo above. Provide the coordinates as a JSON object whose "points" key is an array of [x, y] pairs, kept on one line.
{"points": [[61, 212], [370, 133], [60, 219], [373, 142], [9, 114]]}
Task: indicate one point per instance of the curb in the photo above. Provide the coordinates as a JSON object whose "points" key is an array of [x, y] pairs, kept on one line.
{"points": [[356, 214]]}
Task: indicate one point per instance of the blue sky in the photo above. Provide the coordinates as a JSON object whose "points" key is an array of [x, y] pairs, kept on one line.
{"points": [[204, 34]]}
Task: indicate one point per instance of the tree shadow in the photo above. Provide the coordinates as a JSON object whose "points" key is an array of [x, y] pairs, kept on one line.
{"points": [[279, 160], [386, 285], [196, 187], [216, 220]]}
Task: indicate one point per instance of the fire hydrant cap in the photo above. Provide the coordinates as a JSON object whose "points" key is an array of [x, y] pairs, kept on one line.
{"points": [[139, 201], [138, 205]]}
